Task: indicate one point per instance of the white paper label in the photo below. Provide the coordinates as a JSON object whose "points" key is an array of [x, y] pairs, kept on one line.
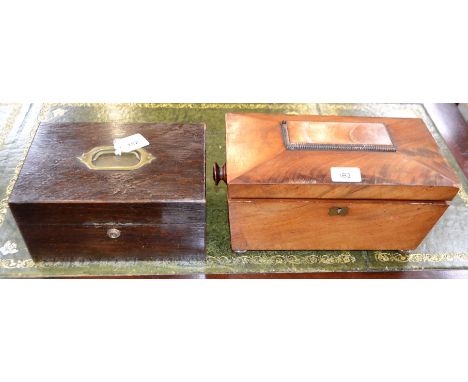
{"points": [[345, 174], [130, 143]]}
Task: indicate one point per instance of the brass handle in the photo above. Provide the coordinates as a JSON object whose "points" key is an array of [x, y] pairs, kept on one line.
{"points": [[113, 233], [135, 159], [219, 173], [340, 211]]}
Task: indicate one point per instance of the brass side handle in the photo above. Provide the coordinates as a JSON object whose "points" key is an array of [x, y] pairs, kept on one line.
{"points": [[219, 173], [132, 160], [338, 211]]}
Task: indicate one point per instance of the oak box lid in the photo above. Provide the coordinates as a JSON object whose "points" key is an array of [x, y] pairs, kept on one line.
{"points": [[173, 171], [291, 156]]}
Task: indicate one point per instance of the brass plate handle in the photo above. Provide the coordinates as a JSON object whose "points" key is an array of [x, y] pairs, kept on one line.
{"points": [[126, 162], [340, 211]]}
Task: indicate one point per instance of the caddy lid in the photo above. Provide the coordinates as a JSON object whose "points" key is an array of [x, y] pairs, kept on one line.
{"points": [[334, 157]]}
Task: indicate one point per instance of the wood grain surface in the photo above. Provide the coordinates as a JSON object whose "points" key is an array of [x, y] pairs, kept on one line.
{"points": [[338, 133], [104, 213], [52, 171], [259, 165], [279, 224], [136, 242]]}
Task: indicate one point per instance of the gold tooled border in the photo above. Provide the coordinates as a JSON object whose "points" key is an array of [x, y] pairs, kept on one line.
{"points": [[237, 106], [398, 257], [10, 122], [19, 165], [211, 261], [343, 258], [463, 196], [262, 260]]}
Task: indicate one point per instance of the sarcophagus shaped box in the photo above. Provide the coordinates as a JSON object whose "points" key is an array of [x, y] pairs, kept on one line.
{"points": [[327, 182], [75, 198]]}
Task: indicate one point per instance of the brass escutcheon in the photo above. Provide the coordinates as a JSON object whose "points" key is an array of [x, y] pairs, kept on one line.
{"points": [[89, 158], [340, 211], [113, 233]]}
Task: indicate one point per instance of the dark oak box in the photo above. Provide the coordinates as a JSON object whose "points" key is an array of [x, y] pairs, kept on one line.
{"points": [[75, 199], [305, 182]]}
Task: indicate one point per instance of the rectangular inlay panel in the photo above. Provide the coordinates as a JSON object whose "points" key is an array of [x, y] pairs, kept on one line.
{"points": [[307, 135]]}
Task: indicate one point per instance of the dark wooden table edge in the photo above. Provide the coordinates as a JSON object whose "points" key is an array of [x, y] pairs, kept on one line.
{"points": [[413, 274], [417, 274]]}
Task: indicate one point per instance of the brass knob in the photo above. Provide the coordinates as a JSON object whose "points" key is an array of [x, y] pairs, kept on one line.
{"points": [[113, 233], [219, 173]]}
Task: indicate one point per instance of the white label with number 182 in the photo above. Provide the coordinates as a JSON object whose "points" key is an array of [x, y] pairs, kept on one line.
{"points": [[346, 174]]}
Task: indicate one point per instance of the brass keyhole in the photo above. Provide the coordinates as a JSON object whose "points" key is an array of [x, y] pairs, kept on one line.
{"points": [[340, 211], [113, 233]]}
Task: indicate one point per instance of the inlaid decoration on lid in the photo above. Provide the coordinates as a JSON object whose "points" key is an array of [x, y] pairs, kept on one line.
{"points": [[346, 136]]}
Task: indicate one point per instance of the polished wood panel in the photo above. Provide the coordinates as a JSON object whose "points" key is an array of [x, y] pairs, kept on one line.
{"points": [[259, 165], [136, 242], [53, 172], [99, 213], [338, 133], [453, 128], [350, 191], [281, 224]]}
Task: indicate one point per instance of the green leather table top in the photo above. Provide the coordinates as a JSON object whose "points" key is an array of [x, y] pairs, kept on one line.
{"points": [[446, 246]]}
